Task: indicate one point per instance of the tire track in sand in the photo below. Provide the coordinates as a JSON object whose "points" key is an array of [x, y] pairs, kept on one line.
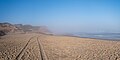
{"points": [[42, 52], [18, 57]]}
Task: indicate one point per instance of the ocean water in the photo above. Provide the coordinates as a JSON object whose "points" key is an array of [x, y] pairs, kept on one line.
{"points": [[106, 36]]}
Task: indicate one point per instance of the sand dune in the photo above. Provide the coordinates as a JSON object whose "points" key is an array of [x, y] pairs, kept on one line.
{"points": [[45, 47]]}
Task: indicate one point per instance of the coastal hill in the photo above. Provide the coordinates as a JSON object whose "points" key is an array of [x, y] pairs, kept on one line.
{"points": [[35, 29], [20, 28]]}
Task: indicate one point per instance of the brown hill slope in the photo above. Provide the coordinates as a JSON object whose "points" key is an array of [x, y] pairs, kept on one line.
{"points": [[35, 29], [7, 27], [13, 28]]}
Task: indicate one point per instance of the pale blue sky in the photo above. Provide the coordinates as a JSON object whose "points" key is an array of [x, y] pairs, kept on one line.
{"points": [[64, 16]]}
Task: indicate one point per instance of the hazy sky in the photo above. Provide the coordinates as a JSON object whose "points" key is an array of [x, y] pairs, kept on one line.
{"points": [[64, 15]]}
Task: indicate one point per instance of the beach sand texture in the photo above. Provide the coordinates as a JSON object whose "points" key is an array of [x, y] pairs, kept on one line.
{"points": [[45, 47]]}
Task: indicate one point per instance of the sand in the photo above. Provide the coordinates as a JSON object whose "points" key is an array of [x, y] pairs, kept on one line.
{"points": [[45, 47]]}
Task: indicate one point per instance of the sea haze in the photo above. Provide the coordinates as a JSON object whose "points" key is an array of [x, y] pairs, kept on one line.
{"points": [[106, 36]]}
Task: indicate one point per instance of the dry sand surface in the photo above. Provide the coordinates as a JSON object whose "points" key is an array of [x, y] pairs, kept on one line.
{"points": [[72, 48], [46, 47], [19, 47]]}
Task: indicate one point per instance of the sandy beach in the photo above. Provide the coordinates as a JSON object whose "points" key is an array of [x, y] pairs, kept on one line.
{"points": [[18, 47], [59, 29]]}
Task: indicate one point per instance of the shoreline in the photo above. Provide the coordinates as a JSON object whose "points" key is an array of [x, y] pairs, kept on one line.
{"points": [[91, 38]]}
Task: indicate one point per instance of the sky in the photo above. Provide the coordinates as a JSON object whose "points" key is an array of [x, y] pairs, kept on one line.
{"points": [[64, 16]]}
